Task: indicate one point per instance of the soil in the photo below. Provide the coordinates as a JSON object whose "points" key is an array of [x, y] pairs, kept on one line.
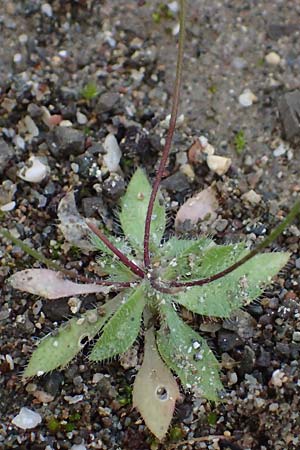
{"points": [[48, 54]]}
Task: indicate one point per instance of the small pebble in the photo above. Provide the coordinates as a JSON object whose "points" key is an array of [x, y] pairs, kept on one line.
{"points": [[81, 118], [78, 447], [279, 151], [277, 378], [46, 9], [252, 197], [17, 58], [273, 58], [113, 153], [27, 419], [239, 63], [72, 400], [296, 336], [35, 171], [8, 206], [232, 378], [247, 98], [273, 407], [23, 38], [218, 164]]}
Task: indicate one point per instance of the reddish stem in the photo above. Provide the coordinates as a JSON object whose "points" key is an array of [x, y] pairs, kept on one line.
{"points": [[123, 258], [169, 137], [267, 241]]}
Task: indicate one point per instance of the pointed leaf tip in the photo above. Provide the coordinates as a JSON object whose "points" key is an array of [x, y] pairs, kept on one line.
{"points": [[155, 390], [136, 200], [57, 350]]}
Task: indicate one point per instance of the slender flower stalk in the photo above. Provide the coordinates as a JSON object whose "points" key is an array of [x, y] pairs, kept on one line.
{"points": [[123, 258], [170, 133]]}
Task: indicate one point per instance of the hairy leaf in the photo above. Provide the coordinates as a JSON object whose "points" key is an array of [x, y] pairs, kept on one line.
{"points": [[188, 354], [58, 349], [115, 269], [122, 329], [213, 260], [50, 284], [221, 297], [179, 253], [134, 206], [155, 391]]}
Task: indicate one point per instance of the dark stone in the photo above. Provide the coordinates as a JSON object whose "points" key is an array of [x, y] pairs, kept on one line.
{"points": [[53, 383], [65, 141], [114, 187], [227, 340], [275, 31], [264, 358], [178, 182], [6, 154], [34, 111], [289, 109], [255, 309], [283, 349], [247, 362], [92, 206], [87, 164], [135, 142], [57, 309], [107, 102]]}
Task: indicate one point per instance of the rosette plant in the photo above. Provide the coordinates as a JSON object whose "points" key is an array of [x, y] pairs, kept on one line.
{"points": [[155, 280]]}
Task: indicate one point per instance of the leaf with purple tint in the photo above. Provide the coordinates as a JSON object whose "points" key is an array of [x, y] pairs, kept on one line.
{"points": [[50, 284], [155, 390]]}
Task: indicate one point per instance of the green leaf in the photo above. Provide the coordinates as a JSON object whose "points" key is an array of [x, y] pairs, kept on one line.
{"points": [[214, 260], [188, 354], [221, 297], [134, 206], [177, 254], [155, 391], [58, 349], [122, 329], [116, 270]]}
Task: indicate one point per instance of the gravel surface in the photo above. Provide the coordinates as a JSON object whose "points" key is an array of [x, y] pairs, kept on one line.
{"points": [[84, 94]]}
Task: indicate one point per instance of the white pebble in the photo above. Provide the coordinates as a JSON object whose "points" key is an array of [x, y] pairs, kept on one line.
{"points": [[81, 118], [72, 400], [47, 9], [65, 123], [296, 336], [279, 151], [247, 98], [232, 378], [273, 58], [218, 164], [31, 127], [252, 197], [8, 206], [273, 407], [113, 153], [23, 38], [17, 58], [78, 447], [26, 419], [277, 378], [35, 171], [203, 141]]}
